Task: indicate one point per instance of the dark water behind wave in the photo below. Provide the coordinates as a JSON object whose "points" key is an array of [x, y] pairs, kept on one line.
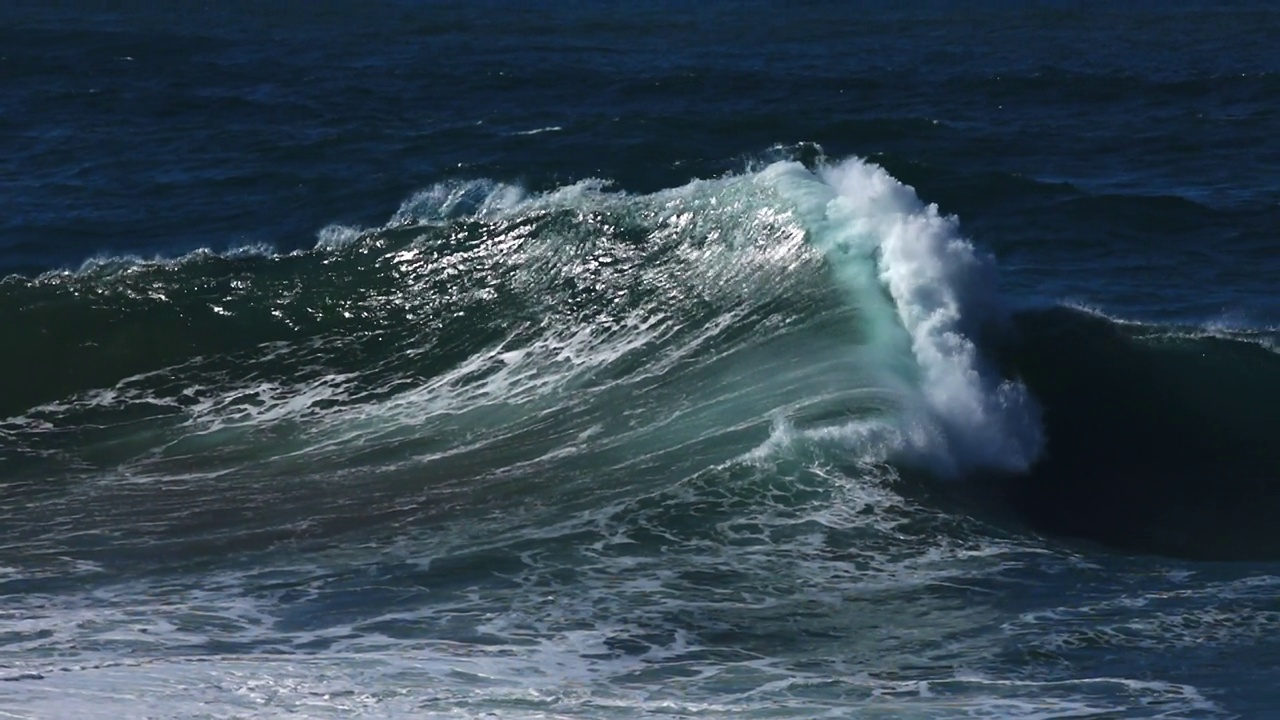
{"points": [[270, 127]]}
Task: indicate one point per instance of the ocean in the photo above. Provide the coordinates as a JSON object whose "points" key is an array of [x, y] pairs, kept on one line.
{"points": [[640, 360]]}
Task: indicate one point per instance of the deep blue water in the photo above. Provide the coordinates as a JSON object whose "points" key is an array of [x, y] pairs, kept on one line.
{"points": [[598, 360]]}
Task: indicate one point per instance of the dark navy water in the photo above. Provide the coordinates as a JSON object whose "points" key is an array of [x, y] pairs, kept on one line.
{"points": [[597, 360]]}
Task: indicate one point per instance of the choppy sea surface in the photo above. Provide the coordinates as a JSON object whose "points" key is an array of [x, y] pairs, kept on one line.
{"points": [[612, 360]]}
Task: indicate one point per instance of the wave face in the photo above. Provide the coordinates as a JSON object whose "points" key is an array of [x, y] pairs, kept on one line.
{"points": [[480, 302], [689, 451]]}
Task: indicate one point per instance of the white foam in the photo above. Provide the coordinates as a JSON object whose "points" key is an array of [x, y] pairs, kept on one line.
{"points": [[1187, 616], [458, 199], [733, 613], [921, 291], [1264, 336], [335, 237], [942, 293], [539, 131], [556, 680], [129, 263]]}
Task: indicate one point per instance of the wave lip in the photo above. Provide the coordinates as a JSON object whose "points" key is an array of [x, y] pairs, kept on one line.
{"points": [[931, 299]]}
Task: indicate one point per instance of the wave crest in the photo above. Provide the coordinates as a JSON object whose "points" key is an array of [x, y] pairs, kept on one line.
{"points": [[932, 297]]}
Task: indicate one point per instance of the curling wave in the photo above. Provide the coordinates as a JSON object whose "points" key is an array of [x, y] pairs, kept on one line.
{"points": [[479, 295], [486, 333]]}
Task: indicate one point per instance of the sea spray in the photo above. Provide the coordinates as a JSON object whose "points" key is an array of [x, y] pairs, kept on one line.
{"points": [[926, 294]]}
